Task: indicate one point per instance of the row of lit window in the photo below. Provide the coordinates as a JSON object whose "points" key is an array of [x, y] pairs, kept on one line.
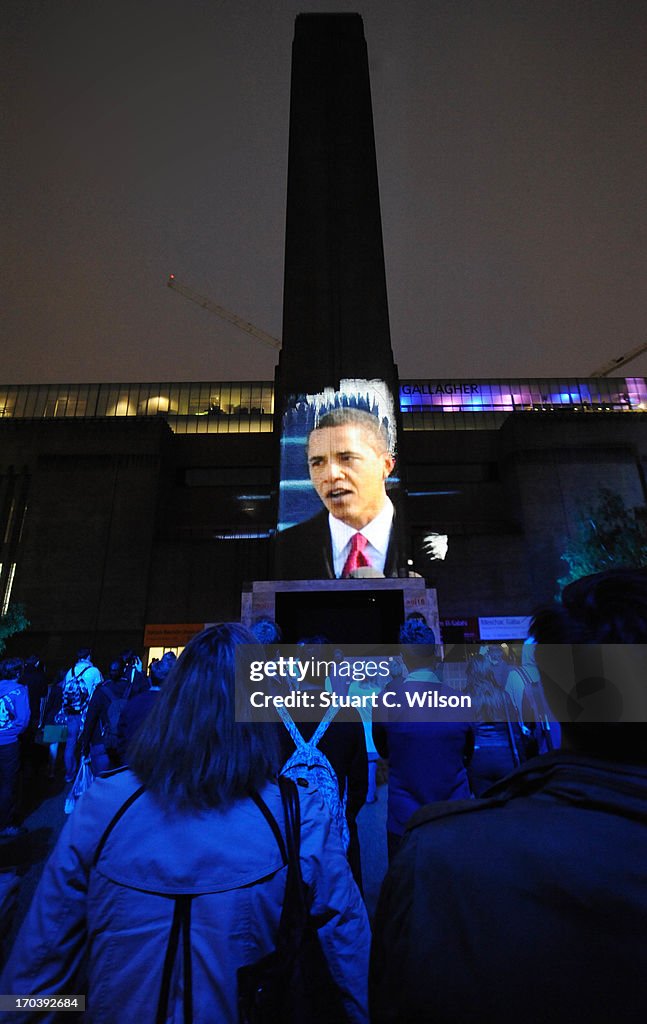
{"points": [[247, 407], [98, 400]]}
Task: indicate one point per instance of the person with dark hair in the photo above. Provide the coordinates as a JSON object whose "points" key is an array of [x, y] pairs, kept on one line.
{"points": [[167, 877], [427, 760], [138, 708], [33, 756], [14, 719], [349, 462], [268, 633], [99, 739], [34, 678], [416, 617], [531, 903], [266, 630], [523, 684], [133, 669], [499, 744], [606, 608], [416, 630], [496, 656], [51, 717]]}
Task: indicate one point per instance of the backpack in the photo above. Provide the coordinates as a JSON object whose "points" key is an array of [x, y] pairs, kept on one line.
{"points": [[310, 764], [110, 723], [75, 694]]}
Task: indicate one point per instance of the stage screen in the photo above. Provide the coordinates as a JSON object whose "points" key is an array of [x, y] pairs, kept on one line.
{"points": [[347, 617], [338, 509]]}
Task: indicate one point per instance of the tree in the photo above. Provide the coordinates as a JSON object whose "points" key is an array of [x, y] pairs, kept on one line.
{"points": [[608, 535], [14, 621]]}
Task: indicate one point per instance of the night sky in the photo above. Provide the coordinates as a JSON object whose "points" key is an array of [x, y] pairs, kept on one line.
{"points": [[146, 138]]}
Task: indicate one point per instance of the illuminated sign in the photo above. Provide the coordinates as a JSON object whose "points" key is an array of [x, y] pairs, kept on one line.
{"points": [[440, 389], [504, 627], [173, 634], [620, 394]]}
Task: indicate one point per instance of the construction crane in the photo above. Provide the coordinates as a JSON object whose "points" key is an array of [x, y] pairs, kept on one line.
{"points": [[615, 364], [237, 321]]}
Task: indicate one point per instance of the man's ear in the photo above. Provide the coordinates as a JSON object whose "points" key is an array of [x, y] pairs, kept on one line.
{"points": [[389, 465]]}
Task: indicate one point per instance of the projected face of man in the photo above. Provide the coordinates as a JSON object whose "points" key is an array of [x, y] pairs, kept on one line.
{"points": [[348, 471]]}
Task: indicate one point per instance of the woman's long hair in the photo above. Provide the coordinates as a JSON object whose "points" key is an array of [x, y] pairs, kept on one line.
{"points": [[489, 702], [190, 751]]}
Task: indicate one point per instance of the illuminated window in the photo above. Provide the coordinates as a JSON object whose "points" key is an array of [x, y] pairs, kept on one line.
{"points": [[10, 521], [8, 589], [159, 652]]}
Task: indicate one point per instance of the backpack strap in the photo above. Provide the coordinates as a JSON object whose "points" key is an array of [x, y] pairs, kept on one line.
{"points": [[294, 911], [272, 822], [295, 890], [323, 725], [288, 722], [113, 821], [115, 696], [525, 675], [512, 741], [78, 679], [316, 737]]}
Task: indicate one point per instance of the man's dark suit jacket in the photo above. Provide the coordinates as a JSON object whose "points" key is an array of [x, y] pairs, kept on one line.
{"points": [[304, 552]]}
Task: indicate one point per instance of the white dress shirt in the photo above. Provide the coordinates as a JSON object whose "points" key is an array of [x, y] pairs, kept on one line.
{"points": [[377, 533]]}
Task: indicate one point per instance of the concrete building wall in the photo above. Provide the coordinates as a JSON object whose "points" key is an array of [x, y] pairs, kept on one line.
{"points": [[508, 529], [84, 556], [128, 524]]}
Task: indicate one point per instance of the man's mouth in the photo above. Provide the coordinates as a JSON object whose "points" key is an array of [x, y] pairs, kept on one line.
{"points": [[337, 493]]}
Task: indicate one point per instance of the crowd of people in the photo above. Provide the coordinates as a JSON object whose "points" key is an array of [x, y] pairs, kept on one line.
{"points": [[76, 712], [516, 882]]}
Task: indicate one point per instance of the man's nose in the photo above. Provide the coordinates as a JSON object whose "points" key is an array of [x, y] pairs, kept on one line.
{"points": [[335, 470]]}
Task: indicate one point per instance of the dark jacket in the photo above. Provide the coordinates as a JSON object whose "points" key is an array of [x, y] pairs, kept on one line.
{"points": [[110, 923], [528, 905], [427, 760], [96, 716], [133, 715], [498, 749], [53, 703], [35, 680], [304, 552]]}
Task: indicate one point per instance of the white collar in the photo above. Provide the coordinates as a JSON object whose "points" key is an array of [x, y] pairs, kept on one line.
{"points": [[377, 532]]}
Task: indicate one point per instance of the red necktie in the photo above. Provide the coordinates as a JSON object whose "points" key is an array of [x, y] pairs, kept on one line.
{"points": [[356, 558]]}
